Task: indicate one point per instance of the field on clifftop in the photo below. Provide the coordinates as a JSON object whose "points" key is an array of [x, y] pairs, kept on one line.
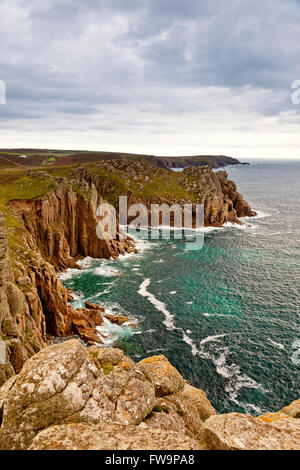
{"points": [[48, 158]]}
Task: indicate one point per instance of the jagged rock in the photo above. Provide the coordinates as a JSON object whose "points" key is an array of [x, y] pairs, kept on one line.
{"points": [[108, 355], [70, 294], [88, 334], [91, 306], [165, 378], [200, 400], [21, 319], [183, 411], [235, 431], [103, 395], [84, 322], [285, 422], [24, 281], [63, 224], [118, 319], [110, 437]]}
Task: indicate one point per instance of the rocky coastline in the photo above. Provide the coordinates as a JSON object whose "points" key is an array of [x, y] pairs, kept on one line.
{"points": [[68, 387], [51, 231]]}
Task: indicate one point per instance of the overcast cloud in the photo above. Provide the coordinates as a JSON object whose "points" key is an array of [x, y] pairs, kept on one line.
{"points": [[170, 77]]}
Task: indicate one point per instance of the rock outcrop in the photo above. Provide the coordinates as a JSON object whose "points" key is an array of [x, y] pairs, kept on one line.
{"points": [[111, 437], [219, 195], [70, 397], [67, 383], [234, 431], [62, 225]]}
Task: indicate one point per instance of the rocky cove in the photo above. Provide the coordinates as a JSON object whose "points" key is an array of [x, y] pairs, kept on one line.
{"points": [[54, 230]]}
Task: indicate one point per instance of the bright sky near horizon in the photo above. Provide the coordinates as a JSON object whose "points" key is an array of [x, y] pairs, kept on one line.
{"points": [[164, 77]]}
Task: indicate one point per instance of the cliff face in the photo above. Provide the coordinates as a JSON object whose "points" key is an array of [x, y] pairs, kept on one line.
{"points": [[22, 321], [219, 195], [62, 226], [58, 229], [143, 183], [68, 397]]}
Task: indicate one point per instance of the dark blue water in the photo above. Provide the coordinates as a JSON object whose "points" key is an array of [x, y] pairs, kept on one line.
{"points": [[226, 316]]}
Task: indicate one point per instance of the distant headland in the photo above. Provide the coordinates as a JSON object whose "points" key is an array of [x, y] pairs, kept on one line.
{"points": [[48, 157]]}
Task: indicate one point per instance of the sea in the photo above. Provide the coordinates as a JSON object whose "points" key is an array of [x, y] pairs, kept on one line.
{"points": [[227, 315]]}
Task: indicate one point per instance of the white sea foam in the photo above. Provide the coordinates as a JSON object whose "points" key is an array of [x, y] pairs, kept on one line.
{"points": [[99, 294], [110, 332], [257, 410], [189, 341], [209, 339], [106, 271], [88, 262], [151, 330], [69, 273], [296, 354], [276, 345], [160, 306], [245, 226], [260, 214], [236, 380]]}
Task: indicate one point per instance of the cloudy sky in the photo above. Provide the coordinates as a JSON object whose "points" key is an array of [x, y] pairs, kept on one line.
{"points": [[168, 77]]}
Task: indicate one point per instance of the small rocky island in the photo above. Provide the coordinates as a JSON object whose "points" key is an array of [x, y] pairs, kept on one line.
{"points": [[78, 394]]}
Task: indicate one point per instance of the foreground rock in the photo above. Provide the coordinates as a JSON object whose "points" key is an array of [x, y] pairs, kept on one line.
{"points": [[71, 397], [235, 431], [164, 377], [111, 437], [67, 383]]}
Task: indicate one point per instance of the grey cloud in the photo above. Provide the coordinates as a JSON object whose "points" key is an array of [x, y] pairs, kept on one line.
{"points": [[76, 57]]}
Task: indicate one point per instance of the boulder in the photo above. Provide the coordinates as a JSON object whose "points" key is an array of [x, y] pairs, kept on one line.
{"points": [[70, 294], [53, 384], [110, 437], [293, 409], [118, 319], [235, 431], [84, 322], [284, 422], [165, 378], [91, 306], [67, 383], [202, 404], [183, 411]]}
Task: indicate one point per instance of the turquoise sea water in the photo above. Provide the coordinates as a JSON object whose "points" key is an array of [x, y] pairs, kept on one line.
{"points": [[227, 316]]}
